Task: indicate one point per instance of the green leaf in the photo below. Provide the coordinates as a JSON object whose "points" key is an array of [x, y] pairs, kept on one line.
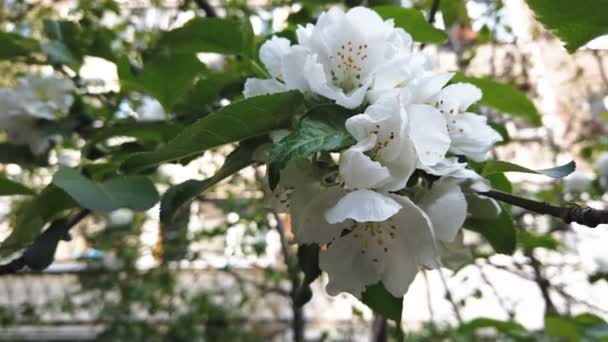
{"points": [[33, 216], [133, 192], [58, 53], [500, 232], [503, 98], [15, 45], [574, 23], [500, 182], [227, 36], [413, 22], [496, 166], [454, 11], [9, 187], [308, 260], [182, 193], [166, 77], [321, 130], [382, 302], [142, 131], [561, 327], [244, 119], [531, 240], [41, 253]]}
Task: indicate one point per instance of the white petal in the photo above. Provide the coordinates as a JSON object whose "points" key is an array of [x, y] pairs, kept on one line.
{"points": [[401, 168], [363, 206], [347, 268], [454, 254], [470, 180], [256, 87], [428, 131], [461, 94], [471, 135], [446, 206], [272, 53], [412, 246], [427, 87], [292, 70], [309, 224], [359, 171], [443, 167]]}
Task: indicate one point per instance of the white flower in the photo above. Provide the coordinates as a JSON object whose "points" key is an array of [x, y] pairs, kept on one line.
{"points": [[347, 50], [470, 134], [446, 206], [577, 182], [44, 97], [384, 157], [284, 63], [601, 164], [369, 237], [20, 127], [339, 58], [120, 217], [150, 110], [391, 143]]}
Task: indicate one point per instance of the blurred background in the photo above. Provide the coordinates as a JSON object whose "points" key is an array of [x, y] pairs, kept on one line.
{"points": [[224, 270]]}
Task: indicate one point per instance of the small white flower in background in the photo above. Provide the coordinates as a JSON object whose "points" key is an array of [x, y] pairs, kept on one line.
{"points": [[601, 164], [150, 110], [120, 217], [577, 182], [32, 99], [69, 157], [45, 97]]}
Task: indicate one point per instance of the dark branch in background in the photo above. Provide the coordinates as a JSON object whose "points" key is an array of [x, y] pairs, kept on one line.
{"points": [[19, 263], [431, 19], [379, 329], [207, 8], [294, 276], [543, 284], [582, 215]]}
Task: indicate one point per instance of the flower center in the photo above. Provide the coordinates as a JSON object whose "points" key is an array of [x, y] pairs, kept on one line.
{"points": [[374, 234], [381, 144], [347, 65]]}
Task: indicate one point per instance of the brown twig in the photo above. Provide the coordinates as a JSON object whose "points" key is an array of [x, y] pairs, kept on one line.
{"points": [[207, 8], [582, 215]]}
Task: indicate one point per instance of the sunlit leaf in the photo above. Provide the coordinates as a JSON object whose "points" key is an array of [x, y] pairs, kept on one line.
{"points": [[412, 21]]}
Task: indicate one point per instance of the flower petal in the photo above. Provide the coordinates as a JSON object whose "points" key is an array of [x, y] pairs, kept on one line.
{"points": [[358, 170], [428, 131], [308, 223], [363, 206], [347, 268], [427, 87], [462, 95], [471, 135], [272, 53], [446, 206], [256, 87]]}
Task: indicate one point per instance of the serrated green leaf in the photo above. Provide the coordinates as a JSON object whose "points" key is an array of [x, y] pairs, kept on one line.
{"points": [[500, 182], [14, 45], [182, 193], [377, 298], [496, 166], [574, 23], [500, 232], [133, 192], [241, 120], [562, 327], [10, 187], [412, 21], [503, 98], [502, 326], [33, 216], [227, 36], [321, 130]]}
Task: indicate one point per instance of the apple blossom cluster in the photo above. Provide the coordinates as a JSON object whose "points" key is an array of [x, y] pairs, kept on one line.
{"points": [[374, 221], [33, 99]]}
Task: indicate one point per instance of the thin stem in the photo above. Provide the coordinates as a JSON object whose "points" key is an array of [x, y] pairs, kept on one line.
{"points": [[448, 296], [207, 8], [431, 19], [583, 215]]}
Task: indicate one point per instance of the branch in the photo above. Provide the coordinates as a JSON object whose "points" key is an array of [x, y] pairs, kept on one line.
{"points": [[431, 19], [19, 263], [582, 215], [207, 8]]}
